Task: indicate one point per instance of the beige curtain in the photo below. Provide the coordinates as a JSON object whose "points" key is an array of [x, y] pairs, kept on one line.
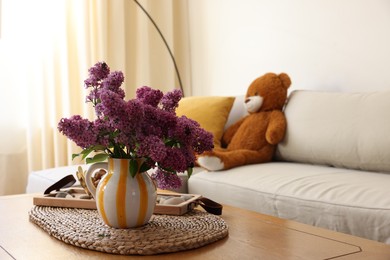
{"points": [[46, 48]]}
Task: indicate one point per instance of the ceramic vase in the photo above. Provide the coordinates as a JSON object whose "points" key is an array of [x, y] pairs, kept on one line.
{"points": [[122, 201]]}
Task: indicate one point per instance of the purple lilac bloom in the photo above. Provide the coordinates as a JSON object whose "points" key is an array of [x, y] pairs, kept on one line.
{"points": [[97, 73], [175, 160], [170, 100], [79, 130], [146, 126], [153, 147], [99, 110], [149, 96], [149, 125], [184, 130], [189, 155], [112, 106], [113, 82], [135, 109], [189, 132], [166, 180], [156, 121], [93, 95], [203, 141], [103, 128]]}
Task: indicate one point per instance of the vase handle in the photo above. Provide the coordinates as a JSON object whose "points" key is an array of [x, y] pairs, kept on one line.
{"points": [[88, 176]]}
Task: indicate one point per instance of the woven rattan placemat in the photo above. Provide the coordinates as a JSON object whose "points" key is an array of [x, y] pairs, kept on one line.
{"points": [[163, 234]]}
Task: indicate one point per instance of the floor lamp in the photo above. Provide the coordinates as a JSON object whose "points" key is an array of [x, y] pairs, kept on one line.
{"points": [[166, 44]]}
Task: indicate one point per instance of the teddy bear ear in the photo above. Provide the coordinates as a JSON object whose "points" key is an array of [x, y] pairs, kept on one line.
{"points": [[285, 80]]}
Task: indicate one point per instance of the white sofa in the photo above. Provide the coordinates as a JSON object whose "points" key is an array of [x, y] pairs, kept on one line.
{"points": [[332, 170]]}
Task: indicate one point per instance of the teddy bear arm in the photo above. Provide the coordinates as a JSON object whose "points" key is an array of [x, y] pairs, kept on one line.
{"points": [[230, 132], [276, 127]]}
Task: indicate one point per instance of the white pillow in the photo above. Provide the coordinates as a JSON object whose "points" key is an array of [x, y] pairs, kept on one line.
{"points": [[237, 112], [350, 130]]}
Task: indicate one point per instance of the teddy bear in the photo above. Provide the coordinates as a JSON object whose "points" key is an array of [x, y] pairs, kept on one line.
{"points": [[253, 139]]}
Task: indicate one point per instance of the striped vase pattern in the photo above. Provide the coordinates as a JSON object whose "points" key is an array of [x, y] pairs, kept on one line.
{"points": [[124, 201]]}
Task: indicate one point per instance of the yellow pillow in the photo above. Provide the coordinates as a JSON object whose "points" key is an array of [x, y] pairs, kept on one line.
{"points": [[211, 112]]}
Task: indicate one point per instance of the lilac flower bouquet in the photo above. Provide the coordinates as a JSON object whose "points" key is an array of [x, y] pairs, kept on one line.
{"points": [[146, 127]]}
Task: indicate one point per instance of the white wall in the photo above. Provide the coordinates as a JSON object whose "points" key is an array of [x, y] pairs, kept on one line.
{"points": [[338, 45]]}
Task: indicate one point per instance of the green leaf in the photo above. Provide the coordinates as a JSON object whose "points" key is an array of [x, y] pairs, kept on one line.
{"points": [[97, 158], [85, 153], [133, 167], [172, 143], [118, 152], [144, 167], [75, 155], [98, 147], [189, 172]]}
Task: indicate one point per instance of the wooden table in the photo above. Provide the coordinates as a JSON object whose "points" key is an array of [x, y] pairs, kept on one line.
{"points": [[251, 236]]}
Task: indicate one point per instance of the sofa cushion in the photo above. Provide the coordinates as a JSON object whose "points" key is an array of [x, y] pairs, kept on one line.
{"points": [[349, 201], [348, 130], [210, 112]]}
